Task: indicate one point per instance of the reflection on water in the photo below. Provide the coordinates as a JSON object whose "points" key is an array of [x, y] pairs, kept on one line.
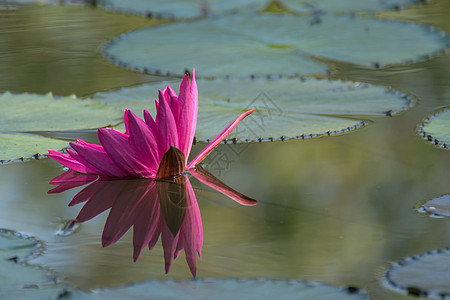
{"points": [[166, 208]]}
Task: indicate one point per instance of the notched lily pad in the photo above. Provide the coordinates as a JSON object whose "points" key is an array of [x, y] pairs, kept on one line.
{"points": [[194, 8], [18, 280], [437, 207], [285, 108], [36, 113], [236, 46], [225, 289], [348, 6], [31, 112], [436, 128], [170, 9], [23, 146], [426, 275]]}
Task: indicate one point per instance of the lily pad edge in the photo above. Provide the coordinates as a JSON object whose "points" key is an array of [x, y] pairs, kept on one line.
{"points": [[421, 131]]}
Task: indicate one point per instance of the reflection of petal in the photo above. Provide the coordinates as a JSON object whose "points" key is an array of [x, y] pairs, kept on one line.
{"points": [[69, 180], [125, 209], [166, 208], [210, 180]]}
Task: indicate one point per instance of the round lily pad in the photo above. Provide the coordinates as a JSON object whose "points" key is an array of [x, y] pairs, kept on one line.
{"points": [[346, 6], [224, 289], [436, 128], [31, 112], [256, 46], [422, 275], [180, 8], [285, 108], [20, 146], [437, 207], [17, 279], [194, 8]]}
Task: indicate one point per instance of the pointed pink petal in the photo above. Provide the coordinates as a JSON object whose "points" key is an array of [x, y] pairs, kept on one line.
{"points": [[187, 117], [78, 157], [145, 141], [126, 122], [97, 147], [167, 128], [150, 122], [124, 154], [157, 109], [98, 159], [213, 182], [217, 140], [70, 162], [169, 93]]}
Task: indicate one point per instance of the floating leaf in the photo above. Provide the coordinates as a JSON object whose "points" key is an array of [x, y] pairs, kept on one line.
{"points": [[243, 46], [422, 275], [225, 289], [179, 8], [437, 207], [18, 280], [30, 112], [15, 146], [285, 108], [195, 8], [436, 128], [346, 6]]}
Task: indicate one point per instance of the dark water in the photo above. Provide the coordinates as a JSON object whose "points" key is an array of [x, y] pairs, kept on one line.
{"points": [[337, 210]]}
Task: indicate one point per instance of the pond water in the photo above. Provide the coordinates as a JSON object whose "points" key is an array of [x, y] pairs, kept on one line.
{"points": [[337, 210]]}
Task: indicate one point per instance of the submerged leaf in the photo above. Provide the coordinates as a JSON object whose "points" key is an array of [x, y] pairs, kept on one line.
{"points": [[17, 280], [436, 128], [422, 275], [437, 207], [225, 289], [243, 46], [285, 108]]}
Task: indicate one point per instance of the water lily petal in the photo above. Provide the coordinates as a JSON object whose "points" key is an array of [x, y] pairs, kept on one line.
{"points": [[167, 128], [98, 147], [187, 118], [124, 154], [144, 139], [69, 162], [217, 140], [99, 160]]}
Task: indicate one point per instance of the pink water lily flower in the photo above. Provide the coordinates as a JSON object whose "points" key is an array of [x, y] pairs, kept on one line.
{"points": [[139, 151]]}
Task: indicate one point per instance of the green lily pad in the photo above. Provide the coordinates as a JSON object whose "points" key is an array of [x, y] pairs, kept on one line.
{"points": [[436, 128], [346, 6], [224, 289], [180, 8], [437, 207], [31, 112], [422, 275], [236, 46], [193, 8], [17, 146], [285, 108], [17, 279]]}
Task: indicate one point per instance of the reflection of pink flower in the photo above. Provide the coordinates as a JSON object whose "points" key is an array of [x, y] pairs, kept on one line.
{"points": [[139, 151], [166, 208]]}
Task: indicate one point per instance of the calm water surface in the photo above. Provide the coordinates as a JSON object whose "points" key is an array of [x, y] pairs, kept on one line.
{"points": [[337, 210]]}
